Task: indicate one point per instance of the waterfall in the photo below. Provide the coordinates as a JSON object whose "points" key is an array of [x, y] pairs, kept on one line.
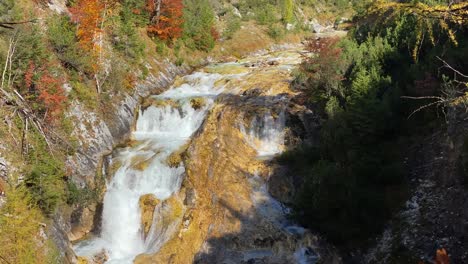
{"points": [[161, 130], [266, 134], [164, 127]]}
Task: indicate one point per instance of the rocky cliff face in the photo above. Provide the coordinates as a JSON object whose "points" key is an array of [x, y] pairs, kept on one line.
{"points": [[97, 137], [435, 216]]}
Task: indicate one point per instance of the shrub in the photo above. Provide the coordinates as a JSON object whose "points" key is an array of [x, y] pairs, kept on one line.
{"points": [[80, 196], [20, 239], [199, 20], [276, 31], [62, 36], [125, 36], [45, 180], [85, 93], [233, 25], [287, 10]]}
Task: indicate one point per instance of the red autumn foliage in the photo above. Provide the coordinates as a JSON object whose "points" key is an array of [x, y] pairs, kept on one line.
{"points": [[29, 75], [52, 95], [322, 69], [325, 47], [48, 90], [167, 23], [88, 15], [215, 34]]}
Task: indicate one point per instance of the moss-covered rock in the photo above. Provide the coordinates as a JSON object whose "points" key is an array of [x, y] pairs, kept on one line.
{"points": [[82, 260], [177, 157], [140, 162], [147, 204], [198, 103], [157, 102], [174, 160]]}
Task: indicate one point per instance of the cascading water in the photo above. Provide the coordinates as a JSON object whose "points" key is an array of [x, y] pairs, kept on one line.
{"points": [[161, 130], [266, 134], [166, 127]]}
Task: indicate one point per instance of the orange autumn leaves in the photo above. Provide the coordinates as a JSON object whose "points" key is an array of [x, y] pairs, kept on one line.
{"points": [[47, 89], [87, 14], [166, 18]]}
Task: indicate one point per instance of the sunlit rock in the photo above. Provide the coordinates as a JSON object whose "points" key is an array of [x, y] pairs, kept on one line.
{"points": [[147, 204]]}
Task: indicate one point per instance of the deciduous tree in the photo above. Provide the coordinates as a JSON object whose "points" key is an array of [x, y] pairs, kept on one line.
{"points": [[430, 18], [88, 15], [166, 18]]}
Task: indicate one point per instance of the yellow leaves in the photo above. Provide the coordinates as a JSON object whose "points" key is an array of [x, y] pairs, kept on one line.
{"points": [[449, 31], [429, 17], [20, 230]]}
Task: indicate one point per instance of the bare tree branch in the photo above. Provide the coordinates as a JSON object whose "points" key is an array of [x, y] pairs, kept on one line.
{"points": [[446, 65], [9, 25]]}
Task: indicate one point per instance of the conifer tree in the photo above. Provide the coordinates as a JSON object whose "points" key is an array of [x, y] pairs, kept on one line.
{"points": [[288, 11]]}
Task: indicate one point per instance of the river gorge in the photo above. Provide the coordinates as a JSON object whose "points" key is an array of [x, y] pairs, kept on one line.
{"points": [[191, 185]]}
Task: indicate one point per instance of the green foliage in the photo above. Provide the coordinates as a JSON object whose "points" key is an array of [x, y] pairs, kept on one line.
{"points": [[287, 11], [233, 25], [20, 240], [345, 190], [265, 12], [125, 35], [199, 20], [9, 12], [161, 47], [61, 33], [45, 180], [85, 92], [30, 47], [276, 31], [130, 15], [355, 179], [80, 196]]}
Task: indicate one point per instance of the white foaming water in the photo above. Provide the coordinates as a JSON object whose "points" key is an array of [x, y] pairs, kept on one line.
{"points": [[160, 131], [266, 134]]}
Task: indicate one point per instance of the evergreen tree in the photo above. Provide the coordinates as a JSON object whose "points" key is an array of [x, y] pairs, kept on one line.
{"points": [[288, 11], [199, 20], [20, 239]]}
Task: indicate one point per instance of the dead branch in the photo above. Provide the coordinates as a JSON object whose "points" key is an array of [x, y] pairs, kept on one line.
{"points": [[9, 25], [449, 95], [446, 65]]}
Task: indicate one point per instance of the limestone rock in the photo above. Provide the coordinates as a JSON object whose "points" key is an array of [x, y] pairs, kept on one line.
{"points": [[320, 28], [147, 204], [82, 222]]}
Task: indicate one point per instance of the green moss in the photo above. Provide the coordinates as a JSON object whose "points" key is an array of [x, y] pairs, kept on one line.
{"points": [[158, 103], [85, 93], [174, 160], [198, 103]]}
